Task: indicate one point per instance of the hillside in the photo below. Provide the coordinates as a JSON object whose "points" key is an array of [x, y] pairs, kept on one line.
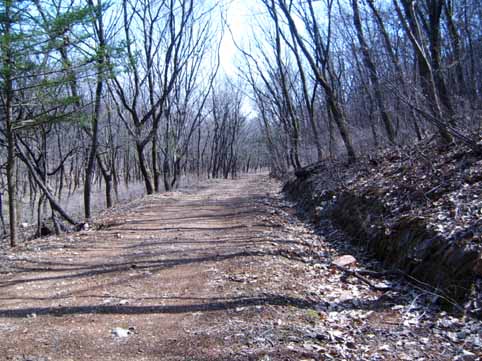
{"points": [[419, 209]]}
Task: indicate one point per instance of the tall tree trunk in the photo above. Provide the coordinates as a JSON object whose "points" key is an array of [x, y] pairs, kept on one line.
{"points": [[372, 71], [7, 70], [425, 69], [155, 167], [100, 60], [108, 181], [143, 168], [335, 106], [11, 166], [455, 40]]}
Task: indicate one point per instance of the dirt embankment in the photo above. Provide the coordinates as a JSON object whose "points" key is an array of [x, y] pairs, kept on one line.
{"points": [[418, 209]]}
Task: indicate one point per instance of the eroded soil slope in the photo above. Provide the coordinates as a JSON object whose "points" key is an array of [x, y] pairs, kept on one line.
{"points": [[418, 208], [223, 273]]}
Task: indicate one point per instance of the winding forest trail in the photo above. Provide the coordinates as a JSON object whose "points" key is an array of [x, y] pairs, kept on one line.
{"points": [[222, 273]]}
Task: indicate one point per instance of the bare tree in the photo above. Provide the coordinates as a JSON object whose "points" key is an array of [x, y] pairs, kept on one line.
{"points": [[322, 52], [372, 71]]}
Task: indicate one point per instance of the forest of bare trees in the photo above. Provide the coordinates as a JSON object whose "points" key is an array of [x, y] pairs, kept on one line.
{"points": [[345, 77], [97, 96]]}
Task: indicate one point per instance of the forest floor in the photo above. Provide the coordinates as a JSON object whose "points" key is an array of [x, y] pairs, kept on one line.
{"points": [[223, 272]]}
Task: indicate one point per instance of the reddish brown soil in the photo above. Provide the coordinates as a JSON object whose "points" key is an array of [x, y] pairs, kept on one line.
{"points": [[221, 273]]}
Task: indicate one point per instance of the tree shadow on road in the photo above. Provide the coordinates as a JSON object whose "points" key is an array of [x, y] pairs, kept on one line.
{"points": [[210, 305]]}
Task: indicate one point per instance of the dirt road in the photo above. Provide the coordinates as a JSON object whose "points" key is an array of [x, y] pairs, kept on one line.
{"points": [[222, 273]]}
